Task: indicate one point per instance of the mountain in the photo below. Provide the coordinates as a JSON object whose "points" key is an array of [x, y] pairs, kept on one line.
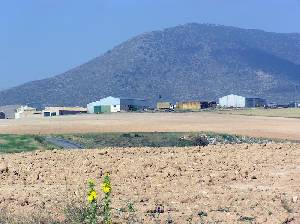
{"points": [[186, 62]]}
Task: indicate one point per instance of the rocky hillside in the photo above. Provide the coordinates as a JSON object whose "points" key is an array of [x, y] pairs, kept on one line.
{"points": [[192, 61]]}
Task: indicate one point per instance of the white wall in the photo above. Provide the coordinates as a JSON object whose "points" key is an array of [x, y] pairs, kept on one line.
{"points": [[115, 108], [232, 101], [17, 115]]}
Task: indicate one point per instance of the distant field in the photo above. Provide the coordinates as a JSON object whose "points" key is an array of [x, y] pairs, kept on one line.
{"points": [[255, 126], [285, 112]]}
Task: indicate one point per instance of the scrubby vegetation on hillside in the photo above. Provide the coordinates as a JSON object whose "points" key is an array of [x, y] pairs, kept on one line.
{"points": [[192, 61]]}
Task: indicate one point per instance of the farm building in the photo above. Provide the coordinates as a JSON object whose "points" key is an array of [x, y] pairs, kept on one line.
{"points": [[241, 101], [9, 111], [26, 112], [114, 104], [188, 105], [2, 115], [164, 105], [59, 111]]}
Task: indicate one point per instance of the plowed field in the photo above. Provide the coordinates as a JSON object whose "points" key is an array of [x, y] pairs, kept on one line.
{"points": [[231, 183]]}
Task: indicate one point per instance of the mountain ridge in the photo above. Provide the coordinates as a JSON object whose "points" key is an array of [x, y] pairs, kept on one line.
{"points": [[191, 61]]}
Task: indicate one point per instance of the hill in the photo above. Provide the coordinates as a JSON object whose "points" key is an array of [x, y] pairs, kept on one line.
{"points": [[192, 61]]}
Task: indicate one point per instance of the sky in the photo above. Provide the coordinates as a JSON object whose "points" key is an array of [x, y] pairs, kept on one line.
{"points": [[43, 38]]}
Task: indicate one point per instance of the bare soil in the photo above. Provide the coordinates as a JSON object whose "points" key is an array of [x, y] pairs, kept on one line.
{"points": [[257, 126], [230, 182], [278, 112]]}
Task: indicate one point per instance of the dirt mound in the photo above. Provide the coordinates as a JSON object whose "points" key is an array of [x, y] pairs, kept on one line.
{"points": [[229, 183]]}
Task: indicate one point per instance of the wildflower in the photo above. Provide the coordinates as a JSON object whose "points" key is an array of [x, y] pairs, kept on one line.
{"points": [[92, 196], [92, 209], [106, 188]]}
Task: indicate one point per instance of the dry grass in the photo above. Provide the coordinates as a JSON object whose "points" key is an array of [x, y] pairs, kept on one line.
{"points": [[257, 126], [282, 112]]}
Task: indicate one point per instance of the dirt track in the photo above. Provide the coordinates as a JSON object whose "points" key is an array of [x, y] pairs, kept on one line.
{"points": [[227, 181], [273, 127]]}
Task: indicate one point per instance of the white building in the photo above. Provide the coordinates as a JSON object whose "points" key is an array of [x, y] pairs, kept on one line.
{"points": [[26, 112], [115, 104], [232, 101], [241, 101]]}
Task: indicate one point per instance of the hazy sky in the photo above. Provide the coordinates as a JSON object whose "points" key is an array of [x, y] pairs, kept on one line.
{"points": [[42, 38]]}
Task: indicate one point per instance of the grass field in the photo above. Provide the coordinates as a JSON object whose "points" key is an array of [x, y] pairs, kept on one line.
{"points": [[18, 143], [155, 139], [284, 112], [22, 143]]}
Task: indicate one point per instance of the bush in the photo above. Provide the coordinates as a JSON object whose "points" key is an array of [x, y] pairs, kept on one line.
{"points": [[200, 140]]}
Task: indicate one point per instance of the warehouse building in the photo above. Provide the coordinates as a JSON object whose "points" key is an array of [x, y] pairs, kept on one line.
{"points": [[60, 111], [255, 102], [114, 104], [27, 112], [188, 105], [241, 101]]}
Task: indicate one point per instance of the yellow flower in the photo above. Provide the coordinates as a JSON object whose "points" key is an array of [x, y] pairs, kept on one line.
{"points": [[92, 196], [106, 188], [107, 173]]}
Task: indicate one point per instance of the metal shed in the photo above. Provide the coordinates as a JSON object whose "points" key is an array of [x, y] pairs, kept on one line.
{"points": [[232, 101], [241, 101], [102, 109], [255, 102]]}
